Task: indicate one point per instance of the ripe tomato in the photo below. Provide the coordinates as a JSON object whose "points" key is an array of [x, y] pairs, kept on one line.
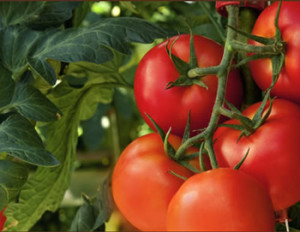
{"points": [[2, 219], [288, 84], [170, 107], [273, 158], [142, 184], [221, 200]]}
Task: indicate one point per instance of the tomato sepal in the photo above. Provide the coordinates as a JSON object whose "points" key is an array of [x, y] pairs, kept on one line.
{"points": [[248, 126], [169, 149], [183, 67]]}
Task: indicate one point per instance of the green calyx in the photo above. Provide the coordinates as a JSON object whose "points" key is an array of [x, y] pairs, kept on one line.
{"points": [[183, 67], [183, 159], [248, 126]]}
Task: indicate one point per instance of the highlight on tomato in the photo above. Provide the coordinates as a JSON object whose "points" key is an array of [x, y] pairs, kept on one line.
{"points": [[222, 199], [142, 182], [169, 107]]}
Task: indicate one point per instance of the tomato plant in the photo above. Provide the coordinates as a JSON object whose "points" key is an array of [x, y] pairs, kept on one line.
{"points": [[142, 184], [170, 107], [288, 82], [76, 76], [273, 151], [221, 200]]}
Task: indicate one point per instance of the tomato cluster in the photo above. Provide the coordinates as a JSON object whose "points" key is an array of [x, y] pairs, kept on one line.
{"points": [[156, 193]]}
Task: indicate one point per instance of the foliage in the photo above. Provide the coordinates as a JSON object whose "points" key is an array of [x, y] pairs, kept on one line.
{"points": [[54, 76], [67, 104]]}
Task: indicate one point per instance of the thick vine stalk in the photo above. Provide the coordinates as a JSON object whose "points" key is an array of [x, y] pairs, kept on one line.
{"points": [[222, 71]]}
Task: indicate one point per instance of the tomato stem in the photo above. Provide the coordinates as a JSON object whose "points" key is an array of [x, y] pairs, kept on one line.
{"points": [[196, 72], [222, 72], [272, 49], [247, 19]]}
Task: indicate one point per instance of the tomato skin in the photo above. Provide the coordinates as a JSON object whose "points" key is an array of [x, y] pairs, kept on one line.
{"points": [[221, 199], [170, 107], [2, 219], [288, 84], [142, 185], [273, 158]]}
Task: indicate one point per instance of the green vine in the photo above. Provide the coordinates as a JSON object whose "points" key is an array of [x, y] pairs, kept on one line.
{"points": [[271, 48], [222, 71]]}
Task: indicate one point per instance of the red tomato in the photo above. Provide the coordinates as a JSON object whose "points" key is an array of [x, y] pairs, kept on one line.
{"points": [[273, 157], [170, 107], [221, 200], [142, 184], [288, 84], [2, 219]]}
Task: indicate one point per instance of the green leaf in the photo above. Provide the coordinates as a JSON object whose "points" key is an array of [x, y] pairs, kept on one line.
{"points": [[12, 177], [31, 103], [15, 44], [53, 14], [95, 212], [19, 139], [95, 95], [37, 15], [22, 47], [13, 13], [84, 218], [97, 73], [6, 87], [38, 196], [92, 44]]}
